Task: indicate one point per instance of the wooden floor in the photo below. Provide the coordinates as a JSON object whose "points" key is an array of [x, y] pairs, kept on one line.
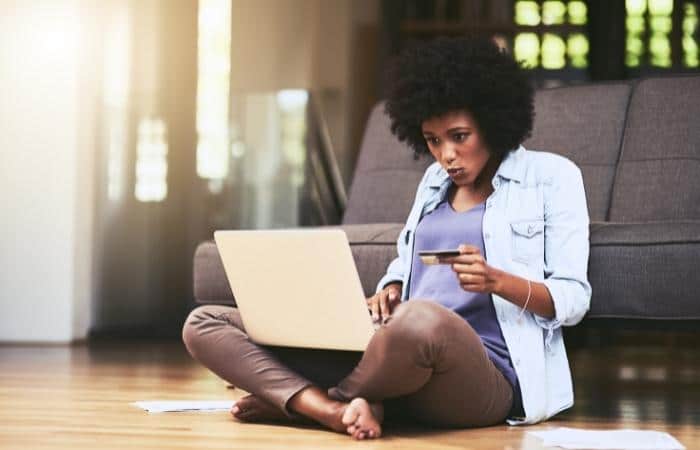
{"points": [[79, 398]]}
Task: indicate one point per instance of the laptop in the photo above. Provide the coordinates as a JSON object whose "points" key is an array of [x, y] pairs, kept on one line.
{"points": [[296, 288]]}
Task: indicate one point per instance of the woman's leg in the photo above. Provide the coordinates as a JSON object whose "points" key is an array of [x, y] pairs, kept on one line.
{"points": [[434, 365], [215, 336]]}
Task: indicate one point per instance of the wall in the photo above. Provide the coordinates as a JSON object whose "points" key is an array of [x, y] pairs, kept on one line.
{"points": [[46, 193]]}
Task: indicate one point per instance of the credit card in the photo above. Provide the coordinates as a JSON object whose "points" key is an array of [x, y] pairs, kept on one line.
{"points": [[431, 257]]}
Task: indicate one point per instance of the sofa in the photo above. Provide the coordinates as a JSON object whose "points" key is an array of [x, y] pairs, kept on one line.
{"points": [[638, 145]]}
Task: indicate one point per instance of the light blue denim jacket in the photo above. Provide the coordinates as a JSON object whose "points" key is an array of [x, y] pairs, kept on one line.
{"points": [[535, 226]]}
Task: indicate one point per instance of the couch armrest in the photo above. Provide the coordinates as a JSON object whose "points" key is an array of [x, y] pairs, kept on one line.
{"points": [[210, 283]]}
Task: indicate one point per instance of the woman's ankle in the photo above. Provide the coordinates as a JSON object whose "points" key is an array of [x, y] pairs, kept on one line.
{"points": [[314, 403]]}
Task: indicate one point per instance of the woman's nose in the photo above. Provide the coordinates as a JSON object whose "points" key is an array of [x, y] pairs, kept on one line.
{"points": [[448, 154]]}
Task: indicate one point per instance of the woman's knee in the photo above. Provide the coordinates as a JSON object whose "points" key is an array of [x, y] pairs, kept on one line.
{"points": [[424, 320], [194, 331]]}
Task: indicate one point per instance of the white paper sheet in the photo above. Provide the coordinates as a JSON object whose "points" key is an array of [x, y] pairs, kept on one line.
{"points": [[158, 406], [572, 438]]}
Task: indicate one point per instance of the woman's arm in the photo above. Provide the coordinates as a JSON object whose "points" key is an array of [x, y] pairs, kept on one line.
{"points": [[477, 276], [564, 296], [516, 290]]}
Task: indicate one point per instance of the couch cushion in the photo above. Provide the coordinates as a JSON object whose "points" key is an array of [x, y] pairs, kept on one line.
{"points": [[386, 175], [373, 247], [645, 270], [658, 177], [585, 124]]}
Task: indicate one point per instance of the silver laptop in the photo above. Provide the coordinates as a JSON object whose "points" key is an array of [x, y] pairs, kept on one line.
{"points": [[297, 288]]}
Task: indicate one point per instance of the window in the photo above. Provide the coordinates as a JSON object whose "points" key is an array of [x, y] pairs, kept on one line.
{"points": [[151, 161], [650, 34], [551, 35], [690, 32], [213, 83]]}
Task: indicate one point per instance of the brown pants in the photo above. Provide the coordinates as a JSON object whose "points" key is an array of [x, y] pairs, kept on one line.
{"points": [[426, 363]]}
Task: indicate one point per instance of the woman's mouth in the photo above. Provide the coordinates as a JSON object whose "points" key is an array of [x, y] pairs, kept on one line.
{"points": [[455, 171]]}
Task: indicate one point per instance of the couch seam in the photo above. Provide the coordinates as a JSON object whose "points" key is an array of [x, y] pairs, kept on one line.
{"points": [[642, 244], [621, 147], [672, 158]]}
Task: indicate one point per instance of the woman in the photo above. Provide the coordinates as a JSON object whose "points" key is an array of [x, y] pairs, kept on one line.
{"points": [[479, 342]]}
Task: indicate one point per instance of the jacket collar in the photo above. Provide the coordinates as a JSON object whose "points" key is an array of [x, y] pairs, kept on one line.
{"points": [[512, 168], [513, 165]]}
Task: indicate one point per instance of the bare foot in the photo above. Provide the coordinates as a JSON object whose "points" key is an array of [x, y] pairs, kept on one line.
{"points": [[253, 409], [362, 419], [357, 418]]}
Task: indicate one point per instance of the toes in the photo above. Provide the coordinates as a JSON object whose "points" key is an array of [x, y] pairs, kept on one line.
{"points": [[350, 416]]}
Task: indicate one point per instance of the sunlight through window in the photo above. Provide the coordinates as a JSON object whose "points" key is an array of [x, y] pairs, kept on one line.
{"points": [[213, 84], [690, 25], [553, 12], [551, 34], [151, 161], [577, 49], [527, 13], [635, 23], [527, 49], [553, 51], [116, 91], [660, 26], [292, 106]]}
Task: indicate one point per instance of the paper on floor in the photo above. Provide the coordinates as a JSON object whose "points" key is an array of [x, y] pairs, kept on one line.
{"points": [[608, 439], [184, 405]]}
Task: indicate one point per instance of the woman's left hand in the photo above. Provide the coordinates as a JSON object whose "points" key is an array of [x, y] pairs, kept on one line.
{"points": [[473, 274]]}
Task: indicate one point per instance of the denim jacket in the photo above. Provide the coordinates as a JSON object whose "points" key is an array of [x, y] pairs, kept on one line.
{"points": [[535, 226]]}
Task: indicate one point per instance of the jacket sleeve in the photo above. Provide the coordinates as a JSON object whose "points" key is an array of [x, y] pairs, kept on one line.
{"points": [[566, 248], [396, 271]]}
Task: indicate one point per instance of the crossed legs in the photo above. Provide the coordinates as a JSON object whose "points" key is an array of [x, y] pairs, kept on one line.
{"points": [[425, 361]]}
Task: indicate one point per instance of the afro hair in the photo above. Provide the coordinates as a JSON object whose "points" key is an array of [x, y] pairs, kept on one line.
{"points": [[460, 74]]}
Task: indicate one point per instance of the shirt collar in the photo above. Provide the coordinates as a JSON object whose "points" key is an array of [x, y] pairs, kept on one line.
{"points": [[512, 168]]}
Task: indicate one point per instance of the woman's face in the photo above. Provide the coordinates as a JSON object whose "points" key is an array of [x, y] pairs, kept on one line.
{"points": [[455, 142]]}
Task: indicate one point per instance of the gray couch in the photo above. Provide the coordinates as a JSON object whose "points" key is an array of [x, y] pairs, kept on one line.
{"points": [[638, 145]]}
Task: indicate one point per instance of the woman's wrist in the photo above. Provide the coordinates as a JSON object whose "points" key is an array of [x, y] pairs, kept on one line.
{"points": [[526, 294], [498, 280]]}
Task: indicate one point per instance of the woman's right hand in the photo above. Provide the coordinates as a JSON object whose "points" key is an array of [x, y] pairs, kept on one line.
{"points": [[383, 302]]}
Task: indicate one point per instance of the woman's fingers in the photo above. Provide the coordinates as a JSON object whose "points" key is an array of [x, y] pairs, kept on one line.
{"points": [[394, 298], [463, 259], [374, 306], [473, 278], [474, 287], [477, 269], [466, 249], [384, 304]]}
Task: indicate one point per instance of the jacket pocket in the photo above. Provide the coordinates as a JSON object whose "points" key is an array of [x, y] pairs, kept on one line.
{"points": [[527, 239]]}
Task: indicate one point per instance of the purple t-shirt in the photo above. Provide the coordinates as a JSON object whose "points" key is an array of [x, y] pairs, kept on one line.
{"points": [[444, 228]]}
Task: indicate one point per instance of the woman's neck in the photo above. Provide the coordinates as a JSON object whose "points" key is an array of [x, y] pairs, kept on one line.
{"points": [[465, 196]]}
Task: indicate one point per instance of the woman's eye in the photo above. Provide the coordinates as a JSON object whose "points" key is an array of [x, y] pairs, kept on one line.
{"points": [[432, 140], [459, 137]]}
